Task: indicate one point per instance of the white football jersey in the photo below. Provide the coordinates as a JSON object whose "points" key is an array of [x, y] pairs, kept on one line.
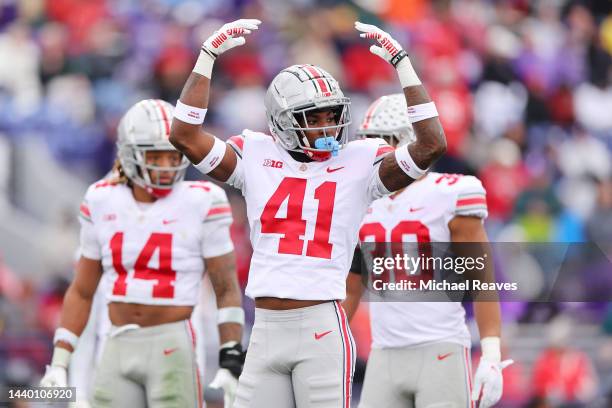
{"points": [[154, 253], [421, 213], [304, 217]]}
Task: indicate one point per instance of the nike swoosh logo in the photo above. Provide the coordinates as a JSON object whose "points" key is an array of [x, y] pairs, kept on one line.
{"points": [[166, 222], [412, 209], [170, 351], [320, 335], [443, 356], [330, 170]]}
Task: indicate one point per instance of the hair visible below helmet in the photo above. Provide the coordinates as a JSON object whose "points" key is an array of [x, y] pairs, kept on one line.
{"points": [[145, 127], [297, 91], [387, 117]]}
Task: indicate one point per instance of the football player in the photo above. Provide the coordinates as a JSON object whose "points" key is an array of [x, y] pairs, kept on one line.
{"points": [[150, 236], [421, 350], [306, 191]]}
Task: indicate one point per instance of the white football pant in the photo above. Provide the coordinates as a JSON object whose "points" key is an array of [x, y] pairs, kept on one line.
{"points": [[301, 358]]}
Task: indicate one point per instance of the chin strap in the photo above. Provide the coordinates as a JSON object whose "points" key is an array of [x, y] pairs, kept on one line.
{"points": [[328, 143], [158, 192]]}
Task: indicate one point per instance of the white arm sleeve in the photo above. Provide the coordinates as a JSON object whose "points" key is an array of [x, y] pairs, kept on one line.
{"points": [[471, 198], [216, 240], [89, 246], [376, 188], [236, 180]]}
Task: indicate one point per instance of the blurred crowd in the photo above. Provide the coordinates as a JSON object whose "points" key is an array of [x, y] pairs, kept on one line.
{"points": [[523, 88], [524, 91]]}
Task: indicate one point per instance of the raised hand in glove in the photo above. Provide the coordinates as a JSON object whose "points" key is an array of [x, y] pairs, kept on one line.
{"points": [[391, 51], [229, 36]]}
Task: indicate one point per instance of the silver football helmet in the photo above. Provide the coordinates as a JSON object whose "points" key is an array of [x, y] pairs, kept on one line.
{"points": [[387, 117], [295, 92], [145, 127]]}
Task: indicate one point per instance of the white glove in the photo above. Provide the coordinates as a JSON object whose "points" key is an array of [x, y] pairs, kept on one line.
{"points": [[224, 379], [55, 376], [490, 381], [229, 36], [390, 50]]}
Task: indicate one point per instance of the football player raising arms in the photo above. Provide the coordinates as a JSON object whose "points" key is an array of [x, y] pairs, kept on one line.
{"points": [[306, 191], [150, 236]]}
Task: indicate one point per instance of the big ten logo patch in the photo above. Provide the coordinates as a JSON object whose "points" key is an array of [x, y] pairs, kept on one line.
{"points": [[277, 164]]}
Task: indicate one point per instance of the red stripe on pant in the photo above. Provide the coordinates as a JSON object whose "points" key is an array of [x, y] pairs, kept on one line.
{"points": [[348, 353], [198, 382], [468, 373]]}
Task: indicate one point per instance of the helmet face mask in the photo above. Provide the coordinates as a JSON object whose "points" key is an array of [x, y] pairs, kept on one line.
{"points": [[338, 132], [145, 128], [387, 118], [133, 159], [294, 94]]}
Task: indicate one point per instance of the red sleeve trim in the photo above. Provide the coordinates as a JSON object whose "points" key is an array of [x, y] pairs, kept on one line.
{"points": [[383, 150], [238, 141], [471, 201], [219, 210], [85, 210], [200, 184]]}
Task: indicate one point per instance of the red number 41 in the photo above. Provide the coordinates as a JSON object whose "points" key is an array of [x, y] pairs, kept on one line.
{"points": [[293, 226]]}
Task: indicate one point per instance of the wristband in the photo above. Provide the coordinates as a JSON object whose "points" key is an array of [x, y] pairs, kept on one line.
{"points": [[228, 344], [204, 64], [398, 57], [213, 158], [65, 335], [231, 315], [404, 160], [189, 114], [417, 113], [61, 357], [491, 349], [407, 74]]}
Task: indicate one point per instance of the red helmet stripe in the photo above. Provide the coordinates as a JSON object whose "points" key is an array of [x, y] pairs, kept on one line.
{"points": [[164, 115], [370, 113], [318, 76], [309, 76]]}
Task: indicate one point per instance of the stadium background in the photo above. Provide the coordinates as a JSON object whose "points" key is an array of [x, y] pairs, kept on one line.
{"points": [[523, 89]]}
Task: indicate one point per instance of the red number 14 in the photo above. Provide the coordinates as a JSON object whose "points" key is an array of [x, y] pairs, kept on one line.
{"points": [[164, 275], [293, 226]]}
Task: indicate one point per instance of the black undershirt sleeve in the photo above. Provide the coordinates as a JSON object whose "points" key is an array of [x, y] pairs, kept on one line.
{"points": [[357, 264]]}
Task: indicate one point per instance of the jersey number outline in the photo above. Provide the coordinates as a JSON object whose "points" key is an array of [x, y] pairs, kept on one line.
{"points": [[293, 190], [413, 227], [164, 275]]}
